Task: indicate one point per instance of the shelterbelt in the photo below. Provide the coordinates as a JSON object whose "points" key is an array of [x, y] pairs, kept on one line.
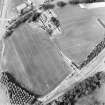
{"points": [[92, 5]]}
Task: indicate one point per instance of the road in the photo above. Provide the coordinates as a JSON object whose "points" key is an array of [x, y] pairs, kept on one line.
{"points": [[2, 24], [3, 15], [98, 64], [69, 81]]}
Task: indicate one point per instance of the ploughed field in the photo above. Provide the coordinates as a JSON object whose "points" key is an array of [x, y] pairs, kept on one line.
{"points": [[33, 59]]}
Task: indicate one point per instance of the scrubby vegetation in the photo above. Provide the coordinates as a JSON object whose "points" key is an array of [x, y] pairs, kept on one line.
{"points": [[84, 88]]}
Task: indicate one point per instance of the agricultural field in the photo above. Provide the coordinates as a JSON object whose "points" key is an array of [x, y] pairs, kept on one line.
{"points": [[33, 58], [31, 55], [81, 31], [12, 7]]}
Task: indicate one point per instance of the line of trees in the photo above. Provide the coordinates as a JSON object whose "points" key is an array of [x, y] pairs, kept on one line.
{"points": [[16, 23], [93, 54], [75, 2]]}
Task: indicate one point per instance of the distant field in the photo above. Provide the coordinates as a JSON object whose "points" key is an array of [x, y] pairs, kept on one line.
{"points": [[81, 31]]}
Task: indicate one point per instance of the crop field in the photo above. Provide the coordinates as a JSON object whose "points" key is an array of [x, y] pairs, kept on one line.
{"points": [[34, 60], [32, 57], [81, 31]]}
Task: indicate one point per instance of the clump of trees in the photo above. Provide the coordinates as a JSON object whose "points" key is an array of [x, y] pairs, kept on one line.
{"points": [[84, 88], [18, 95], [47, 6], [61, 4], [93, 54]]}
